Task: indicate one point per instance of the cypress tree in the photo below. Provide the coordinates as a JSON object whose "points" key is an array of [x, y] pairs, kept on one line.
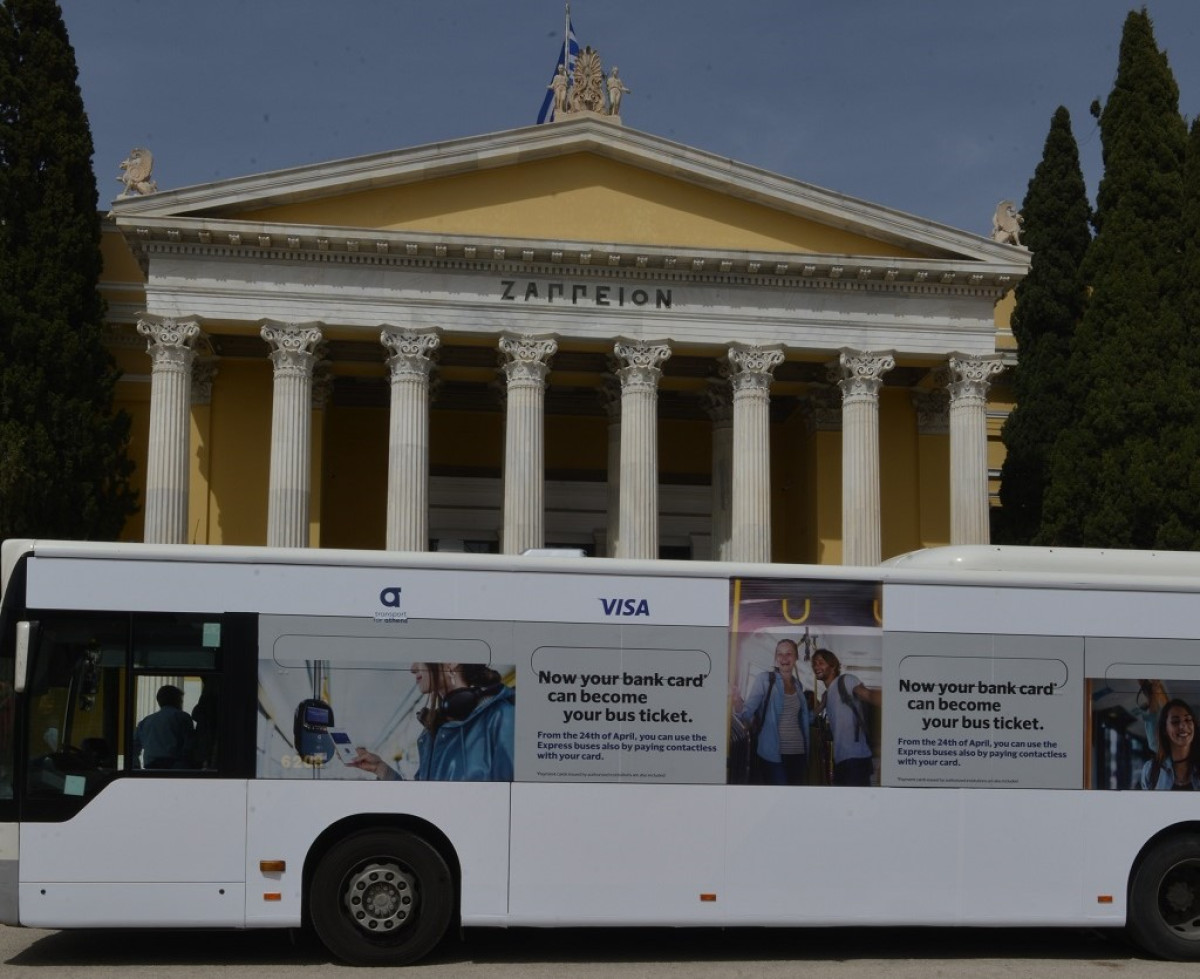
{"points": [[1114, 474], [64, 471], [1182, 454], [1050, 302]]}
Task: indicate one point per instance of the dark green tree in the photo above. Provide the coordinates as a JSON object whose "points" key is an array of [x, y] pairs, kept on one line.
{"points": [[1115, 479], [1050, 303], [64, 471], [1182, 455]]}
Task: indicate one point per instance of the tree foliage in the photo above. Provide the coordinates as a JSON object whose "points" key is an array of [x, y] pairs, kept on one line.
{"points": [[1120, 473], [1050, 303], [63, 465]]}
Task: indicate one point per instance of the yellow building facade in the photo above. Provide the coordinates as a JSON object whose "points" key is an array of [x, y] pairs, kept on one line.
{"points": [[571, 335]]}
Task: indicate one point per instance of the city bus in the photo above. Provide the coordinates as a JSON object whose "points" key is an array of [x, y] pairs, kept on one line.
{"points": [[383, 746]]}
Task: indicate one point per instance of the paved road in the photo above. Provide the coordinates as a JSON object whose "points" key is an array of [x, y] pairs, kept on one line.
{"points": [[577, 954]]}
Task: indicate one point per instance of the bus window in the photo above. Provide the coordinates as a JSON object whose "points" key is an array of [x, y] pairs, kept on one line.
{"points": [[74, 719], [176, 725], [175, 662], [176, 644]]}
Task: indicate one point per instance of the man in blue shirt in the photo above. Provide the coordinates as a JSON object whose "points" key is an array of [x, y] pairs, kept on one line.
{"points": [[164, 739]]}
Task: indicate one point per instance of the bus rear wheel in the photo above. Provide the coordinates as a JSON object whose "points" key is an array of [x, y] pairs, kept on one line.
{"points": [[1164, 899], [381, 898]]}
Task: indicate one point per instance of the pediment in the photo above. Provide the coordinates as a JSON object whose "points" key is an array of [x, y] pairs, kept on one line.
{"points": [[584, 181]]}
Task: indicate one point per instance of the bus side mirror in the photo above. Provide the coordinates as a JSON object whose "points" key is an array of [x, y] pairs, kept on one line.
{"points": [[26, 633]]}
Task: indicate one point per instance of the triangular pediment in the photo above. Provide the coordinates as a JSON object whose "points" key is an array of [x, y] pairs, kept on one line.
{"points": [[586, 181], [582, 197]]}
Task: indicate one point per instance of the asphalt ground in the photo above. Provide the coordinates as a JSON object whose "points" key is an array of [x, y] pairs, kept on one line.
{"points": [[578, 953]]}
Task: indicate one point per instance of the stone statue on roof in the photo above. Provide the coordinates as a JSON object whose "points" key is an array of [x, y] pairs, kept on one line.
{"points": [[587, 93], [616, 88], [135, 173], [1006, 224], [559, 87]]}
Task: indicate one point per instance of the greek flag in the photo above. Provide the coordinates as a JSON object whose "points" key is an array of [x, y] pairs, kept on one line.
{"points": [[571, 50]]}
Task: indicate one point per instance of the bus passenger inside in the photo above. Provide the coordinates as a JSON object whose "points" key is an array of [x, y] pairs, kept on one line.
{"points": [[165, 738]]}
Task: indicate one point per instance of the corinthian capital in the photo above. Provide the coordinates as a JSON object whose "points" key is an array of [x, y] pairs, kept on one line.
{"points": [[170, 342], [641, 360], [753, 366], [970, 377], [410, 351], [527, 357], [717, 398], [293, 346], [860, 373]]}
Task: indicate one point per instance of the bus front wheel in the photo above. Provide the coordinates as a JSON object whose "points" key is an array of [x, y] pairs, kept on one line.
{"points": [[1164, 899], [381, 898]]}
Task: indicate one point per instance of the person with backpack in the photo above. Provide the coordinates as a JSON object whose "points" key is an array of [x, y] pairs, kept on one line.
{"points": [[778, 713], [843, 705]]}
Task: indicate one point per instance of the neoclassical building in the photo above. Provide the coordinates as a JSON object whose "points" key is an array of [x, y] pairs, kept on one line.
{"points": [[574, 334]]}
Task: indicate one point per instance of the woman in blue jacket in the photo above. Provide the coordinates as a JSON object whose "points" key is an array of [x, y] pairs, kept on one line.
{"points": [[778, 701], [468, 721]]}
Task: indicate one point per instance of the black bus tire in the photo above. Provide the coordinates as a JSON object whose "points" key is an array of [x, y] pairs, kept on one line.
{"points": [[1164, 899], [382, 897]]}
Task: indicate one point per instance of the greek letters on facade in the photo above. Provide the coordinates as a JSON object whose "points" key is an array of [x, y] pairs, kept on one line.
{"points": [[577, 292]]}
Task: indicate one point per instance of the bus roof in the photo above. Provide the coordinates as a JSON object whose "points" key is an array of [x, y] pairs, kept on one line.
{"points": [[1050, 560]]}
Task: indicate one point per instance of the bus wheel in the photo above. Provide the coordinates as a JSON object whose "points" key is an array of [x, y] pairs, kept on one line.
{"points": [[1164, 899], [381, 898]]}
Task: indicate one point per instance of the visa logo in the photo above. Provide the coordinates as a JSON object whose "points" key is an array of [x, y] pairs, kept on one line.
{"points": [[625, 606]]}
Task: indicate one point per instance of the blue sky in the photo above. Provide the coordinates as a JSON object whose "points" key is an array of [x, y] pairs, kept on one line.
{"points": [[935, 107]]}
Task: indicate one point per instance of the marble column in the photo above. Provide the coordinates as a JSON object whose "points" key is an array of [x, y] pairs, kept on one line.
{"points": [[718, 405], [409, 368], [860, 376], [171, 346], [750, 521], [932, 406], [524, 451], [293, 353], [204, 373], [610, 396], [639, 446], [970, 378]]}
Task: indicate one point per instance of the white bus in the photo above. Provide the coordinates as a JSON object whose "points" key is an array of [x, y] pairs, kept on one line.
{"points": [[382, 745]]}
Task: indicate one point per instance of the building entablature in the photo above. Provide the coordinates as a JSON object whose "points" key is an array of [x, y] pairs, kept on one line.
{"points": [[254, 241]]}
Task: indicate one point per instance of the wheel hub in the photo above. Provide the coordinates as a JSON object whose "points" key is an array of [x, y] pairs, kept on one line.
{"points": [[380, 897], [1179, 899]]}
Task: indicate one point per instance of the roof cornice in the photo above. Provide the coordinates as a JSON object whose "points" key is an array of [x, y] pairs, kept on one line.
{"points": [[256, 241]]}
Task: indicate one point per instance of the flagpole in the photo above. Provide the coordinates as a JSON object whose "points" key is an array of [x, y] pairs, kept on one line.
{"points": [[567, 39]]}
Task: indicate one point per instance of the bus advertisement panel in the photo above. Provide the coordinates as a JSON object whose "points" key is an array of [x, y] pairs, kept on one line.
{"points": [[639, 698], [790, 692]]}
